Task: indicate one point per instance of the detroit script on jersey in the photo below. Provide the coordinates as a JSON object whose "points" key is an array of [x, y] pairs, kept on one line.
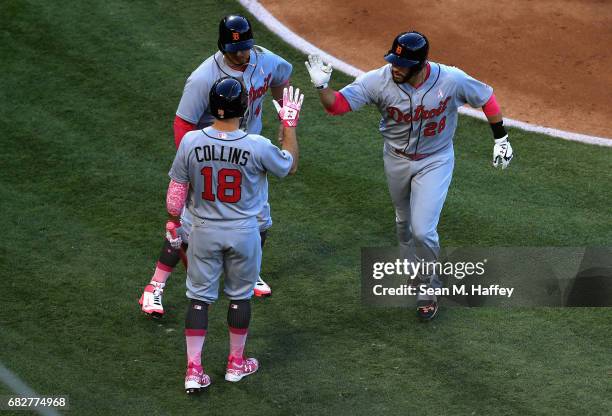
{"points": [[418, 120], [420, 113], [265, 70]]}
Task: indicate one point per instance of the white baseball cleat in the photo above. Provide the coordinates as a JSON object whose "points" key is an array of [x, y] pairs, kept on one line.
{"points": [[195, 380], [262, 289], [238, 368], [151, 300]]}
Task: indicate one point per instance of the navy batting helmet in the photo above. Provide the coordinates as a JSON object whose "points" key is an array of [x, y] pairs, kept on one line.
{"points": [[235, 34], [228, 98], [409, 50]]}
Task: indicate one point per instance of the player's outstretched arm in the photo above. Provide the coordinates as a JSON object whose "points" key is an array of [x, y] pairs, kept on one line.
{"points": [[277, 94], [502, 150], [320, 74], [289, 114], [289, 143]]}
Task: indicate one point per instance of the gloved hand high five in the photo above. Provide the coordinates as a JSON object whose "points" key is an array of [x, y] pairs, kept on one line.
{"points": [[289, 112], [320, 73], [502, 152]]}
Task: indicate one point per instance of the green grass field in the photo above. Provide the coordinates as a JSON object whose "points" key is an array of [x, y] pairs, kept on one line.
{"points": [[88, 93]]}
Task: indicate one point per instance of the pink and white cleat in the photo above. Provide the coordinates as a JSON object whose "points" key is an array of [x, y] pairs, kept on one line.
{"points": [[151, 300], [196, 379], [262, 289], [237, 368]]}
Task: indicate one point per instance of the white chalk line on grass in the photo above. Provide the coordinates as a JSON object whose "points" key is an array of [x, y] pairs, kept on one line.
{"points": [[273, 24], [23, 390]]}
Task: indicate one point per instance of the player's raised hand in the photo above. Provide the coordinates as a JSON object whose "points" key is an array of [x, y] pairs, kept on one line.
{"points": [[502, 152], [320, 73], [289, 112]]}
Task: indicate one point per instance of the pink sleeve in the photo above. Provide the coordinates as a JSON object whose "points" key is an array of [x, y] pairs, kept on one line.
{"points": [[491, 107], [176, 197], [340, 105]]}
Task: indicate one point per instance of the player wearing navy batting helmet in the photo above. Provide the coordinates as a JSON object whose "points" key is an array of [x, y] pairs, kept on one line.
{"points": [[222, 171], [235, 34], [259, 70], [418, 100]]}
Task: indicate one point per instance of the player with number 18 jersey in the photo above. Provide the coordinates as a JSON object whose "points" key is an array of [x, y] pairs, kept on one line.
{"points": [[228, 171], [220, 171]]}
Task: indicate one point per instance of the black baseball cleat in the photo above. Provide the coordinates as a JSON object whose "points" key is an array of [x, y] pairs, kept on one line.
{"points": [[427, 309]]}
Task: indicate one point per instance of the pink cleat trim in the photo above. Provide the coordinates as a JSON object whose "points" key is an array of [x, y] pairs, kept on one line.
{"points": [[238, 368]]}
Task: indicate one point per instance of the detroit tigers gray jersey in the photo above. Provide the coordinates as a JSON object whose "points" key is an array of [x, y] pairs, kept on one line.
{"points": [[227, 176], [265, 70], [418, 120], [418, 125], [227, 172]]}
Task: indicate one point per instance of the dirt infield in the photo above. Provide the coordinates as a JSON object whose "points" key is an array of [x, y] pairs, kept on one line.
{"points": [[550, 62]]}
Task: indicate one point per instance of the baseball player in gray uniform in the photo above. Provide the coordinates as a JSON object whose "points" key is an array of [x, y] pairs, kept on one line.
{"points": [[260, 70], [220, 173], [418, 100]]}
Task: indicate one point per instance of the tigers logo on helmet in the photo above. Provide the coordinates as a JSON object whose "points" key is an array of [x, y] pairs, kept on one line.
{"points": [[398, 50], [235, 36]]}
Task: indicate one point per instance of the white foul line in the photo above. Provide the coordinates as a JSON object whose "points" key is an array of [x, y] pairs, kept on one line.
{"points": [[23, 390], [274, 25]]}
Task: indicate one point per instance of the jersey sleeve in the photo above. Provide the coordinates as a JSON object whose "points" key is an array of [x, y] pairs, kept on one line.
{"points": [[179, 171], [194, 100], [181, 127], [274, 160], [359, 92], [471, 91], [282, 72]]}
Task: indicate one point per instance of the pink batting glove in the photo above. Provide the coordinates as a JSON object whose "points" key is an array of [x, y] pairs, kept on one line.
{"points": [[289, 112]]}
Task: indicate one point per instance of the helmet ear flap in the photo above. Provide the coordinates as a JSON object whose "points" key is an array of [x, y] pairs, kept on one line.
{"points": [[220, 46]]}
